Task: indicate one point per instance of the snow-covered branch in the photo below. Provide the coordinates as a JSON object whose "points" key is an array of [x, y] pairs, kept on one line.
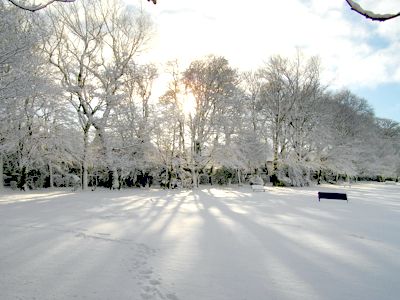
{"points": [[35, 7], [357, 8], [369, 14]]}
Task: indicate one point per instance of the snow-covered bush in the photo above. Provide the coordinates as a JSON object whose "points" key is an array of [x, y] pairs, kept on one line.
{"points": [[256, 180], [299, 176], [223, 176], [13, 185], [204, 179], [58, 180]]}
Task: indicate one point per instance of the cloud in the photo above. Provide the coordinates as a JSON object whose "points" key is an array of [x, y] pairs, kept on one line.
{"points": [[354, 51]]}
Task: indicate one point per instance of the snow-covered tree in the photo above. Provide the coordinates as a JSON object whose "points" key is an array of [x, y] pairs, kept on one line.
{"points": [[289, 97], [303, 121], [171, 135], [211, 81], [166, 139], [226, 147], [90, 110], [349, 130], [175, 98], [387, 140], [253, 133], [131, 120], [25, 92], [93, 44]]}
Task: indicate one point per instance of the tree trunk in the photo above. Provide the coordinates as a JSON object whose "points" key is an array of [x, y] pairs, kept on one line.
{"points": [[167, 177], [239, 179], [1, 172], [22, 179], [112, 169], [195, 177], [274, 177], [84, 177], [84, 159], [275, 150], [319, 177], [181, 138], [51, 184], [113, 173], [193, 160]]}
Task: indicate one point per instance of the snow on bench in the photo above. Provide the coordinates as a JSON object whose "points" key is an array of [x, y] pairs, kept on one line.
{"points": [[337, 196], [347, 184], [258, 188], [390, 182]]}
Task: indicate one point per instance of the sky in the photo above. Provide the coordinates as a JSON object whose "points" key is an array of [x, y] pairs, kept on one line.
{"points": [[355, 53]]}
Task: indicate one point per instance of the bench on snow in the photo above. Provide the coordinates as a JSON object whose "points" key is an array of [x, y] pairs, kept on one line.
{"points": [[338, 196], [258, 188], [390, 182]]}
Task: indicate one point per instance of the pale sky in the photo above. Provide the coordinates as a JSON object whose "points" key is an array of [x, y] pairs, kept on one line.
{"points": [[356, 53]]}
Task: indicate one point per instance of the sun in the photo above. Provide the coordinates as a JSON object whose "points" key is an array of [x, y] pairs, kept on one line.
{"points": [[189, 104]]}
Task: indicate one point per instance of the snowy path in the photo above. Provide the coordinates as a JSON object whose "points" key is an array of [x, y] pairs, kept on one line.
{"points": [[220, 244]]}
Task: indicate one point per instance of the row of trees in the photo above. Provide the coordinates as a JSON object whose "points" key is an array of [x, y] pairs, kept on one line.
{"points": [[75, 106]]}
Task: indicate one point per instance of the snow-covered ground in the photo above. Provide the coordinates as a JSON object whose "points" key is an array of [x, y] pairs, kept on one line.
{"points": [[209, 243]]}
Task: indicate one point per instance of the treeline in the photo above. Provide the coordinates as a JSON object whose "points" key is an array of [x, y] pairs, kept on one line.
{"points": [[76, 108]]}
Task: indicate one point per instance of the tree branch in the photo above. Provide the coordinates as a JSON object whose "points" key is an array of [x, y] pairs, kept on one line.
{"points": [[36, 7], [369, 14]]}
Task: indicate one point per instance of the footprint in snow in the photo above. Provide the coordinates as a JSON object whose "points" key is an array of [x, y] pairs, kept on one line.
{"points": [[172, 297], [154, 282], [146, 272]]}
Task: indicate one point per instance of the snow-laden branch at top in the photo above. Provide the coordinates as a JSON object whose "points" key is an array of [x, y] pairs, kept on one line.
{"points": [[357, 8], [369, 14], [35, 7]]}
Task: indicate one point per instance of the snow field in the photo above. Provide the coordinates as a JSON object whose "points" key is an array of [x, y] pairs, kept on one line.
{"points": [[209, 243]]}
